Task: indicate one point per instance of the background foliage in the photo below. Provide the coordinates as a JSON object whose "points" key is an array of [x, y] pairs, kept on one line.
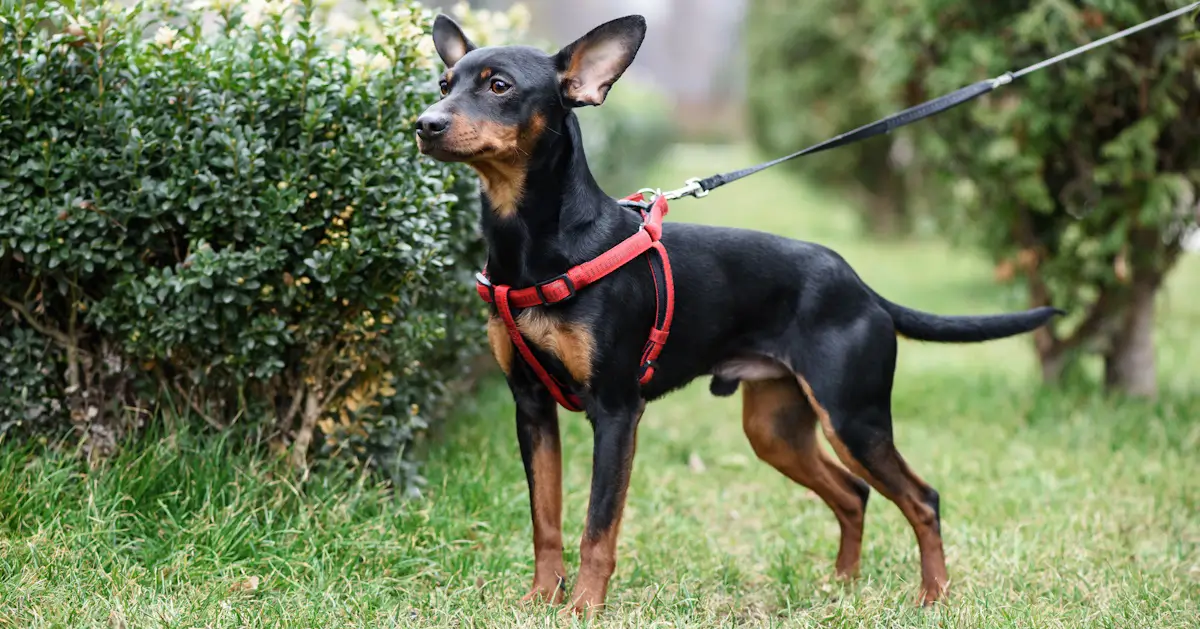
{"points": [[626, 136], [1082, 179]]}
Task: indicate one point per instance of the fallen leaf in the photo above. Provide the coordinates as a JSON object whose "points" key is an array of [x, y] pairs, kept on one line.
{"points": [[249, 584]]}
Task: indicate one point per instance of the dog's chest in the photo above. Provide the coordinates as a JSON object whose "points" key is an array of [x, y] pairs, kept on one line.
{"points": [[571, 343]]}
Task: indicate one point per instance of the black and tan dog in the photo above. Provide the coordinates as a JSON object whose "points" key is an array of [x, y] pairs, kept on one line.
{"points": [[810, 343]]}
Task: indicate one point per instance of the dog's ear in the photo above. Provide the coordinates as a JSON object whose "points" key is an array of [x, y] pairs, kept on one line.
{"points": [[451, 43], [589, 67]]}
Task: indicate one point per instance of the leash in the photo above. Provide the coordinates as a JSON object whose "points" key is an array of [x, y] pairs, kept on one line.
{"points": [[701, 187]]}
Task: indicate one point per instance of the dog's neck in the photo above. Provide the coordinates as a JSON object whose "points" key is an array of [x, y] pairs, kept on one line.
{"points": [[560, 218]]}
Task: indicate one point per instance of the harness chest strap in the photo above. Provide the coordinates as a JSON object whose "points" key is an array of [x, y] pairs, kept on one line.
{"points": [[565, 286]]}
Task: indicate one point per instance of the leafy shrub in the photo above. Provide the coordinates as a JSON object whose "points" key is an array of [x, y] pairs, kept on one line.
{"points": [[234, 224], [1083, 178]]}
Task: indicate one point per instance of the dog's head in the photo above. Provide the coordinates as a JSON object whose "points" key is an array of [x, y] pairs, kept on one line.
{"points": [[497, 101]]}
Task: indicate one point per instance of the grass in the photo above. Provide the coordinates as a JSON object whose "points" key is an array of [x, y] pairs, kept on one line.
{"points": [[1060, 509]]}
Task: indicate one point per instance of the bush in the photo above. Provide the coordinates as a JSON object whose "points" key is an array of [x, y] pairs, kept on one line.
{"points": [[234, 224], [1083, 178]]}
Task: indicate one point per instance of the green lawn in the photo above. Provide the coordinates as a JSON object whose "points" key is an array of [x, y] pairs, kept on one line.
{"points": [[1059, 509]]}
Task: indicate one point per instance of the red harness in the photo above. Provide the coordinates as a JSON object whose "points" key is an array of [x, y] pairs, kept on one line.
{"points": [[564, 287]]}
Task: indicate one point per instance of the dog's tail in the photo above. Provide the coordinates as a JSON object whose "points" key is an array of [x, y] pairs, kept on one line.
{"points": [[923, 326]]}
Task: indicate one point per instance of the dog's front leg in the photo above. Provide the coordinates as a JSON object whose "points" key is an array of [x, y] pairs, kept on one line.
{"points": [[615, 433], [537, 434]]}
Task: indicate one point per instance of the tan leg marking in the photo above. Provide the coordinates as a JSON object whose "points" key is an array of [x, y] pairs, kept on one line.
{"points": [[898, 483], [502, 346], [781, 426], [549, 575]]}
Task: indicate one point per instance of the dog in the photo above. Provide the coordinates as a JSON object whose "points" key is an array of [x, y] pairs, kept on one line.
{"points": [[789, 322]]}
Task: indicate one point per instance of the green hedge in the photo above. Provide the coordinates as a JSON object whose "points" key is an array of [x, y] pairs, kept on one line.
{"points": [[233, 225]]}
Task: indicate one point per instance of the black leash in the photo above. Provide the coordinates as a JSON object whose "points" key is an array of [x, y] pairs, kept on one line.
{"points": [[701, 187]]}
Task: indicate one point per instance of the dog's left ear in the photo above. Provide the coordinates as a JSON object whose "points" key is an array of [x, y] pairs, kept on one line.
{"points": [[589, 67]]}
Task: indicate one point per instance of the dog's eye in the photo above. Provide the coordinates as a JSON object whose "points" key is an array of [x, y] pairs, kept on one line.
{"points": [[444, 86], [500, 86]]}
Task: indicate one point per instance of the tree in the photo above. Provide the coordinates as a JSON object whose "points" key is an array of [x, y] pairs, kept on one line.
{"points": [[1083, 178]]}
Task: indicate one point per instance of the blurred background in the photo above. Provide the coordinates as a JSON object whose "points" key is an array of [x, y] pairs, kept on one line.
{"points": [[693, 55], [237, 317], [1080, 184]]}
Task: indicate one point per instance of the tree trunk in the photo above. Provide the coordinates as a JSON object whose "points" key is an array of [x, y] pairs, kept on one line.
{"points": [[1054, 363], [885, 197], [1129, 364], [885, 216], [308, 423]]}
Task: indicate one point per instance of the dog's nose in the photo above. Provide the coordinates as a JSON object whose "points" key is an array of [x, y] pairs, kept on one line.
{"points": [[431, 125]]}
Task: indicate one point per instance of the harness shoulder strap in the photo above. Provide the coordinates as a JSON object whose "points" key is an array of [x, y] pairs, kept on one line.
{"points": [[664, 309], [645, 241]]}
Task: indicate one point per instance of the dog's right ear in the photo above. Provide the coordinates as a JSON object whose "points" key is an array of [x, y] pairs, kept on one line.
{"points": [[450, 41]]}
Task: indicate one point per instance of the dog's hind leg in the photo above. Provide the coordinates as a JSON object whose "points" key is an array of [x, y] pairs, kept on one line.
{"points": [[865, 446], [851, 395], [781, 426]]}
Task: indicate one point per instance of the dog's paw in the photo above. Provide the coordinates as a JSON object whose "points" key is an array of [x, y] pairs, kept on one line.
{"points": [[552, 592], [932, 594]]}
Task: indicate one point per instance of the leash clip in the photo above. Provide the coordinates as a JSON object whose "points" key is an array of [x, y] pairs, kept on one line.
{"points": [[691, 188]]}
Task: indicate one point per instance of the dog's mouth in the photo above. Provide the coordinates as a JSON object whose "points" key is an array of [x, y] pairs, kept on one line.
{"points": [[442, 151], [450, 149]]}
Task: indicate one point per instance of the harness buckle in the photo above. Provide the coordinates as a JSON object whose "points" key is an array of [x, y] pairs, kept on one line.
{"points": [[483, 280], [537, 288], [648, 367]]}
